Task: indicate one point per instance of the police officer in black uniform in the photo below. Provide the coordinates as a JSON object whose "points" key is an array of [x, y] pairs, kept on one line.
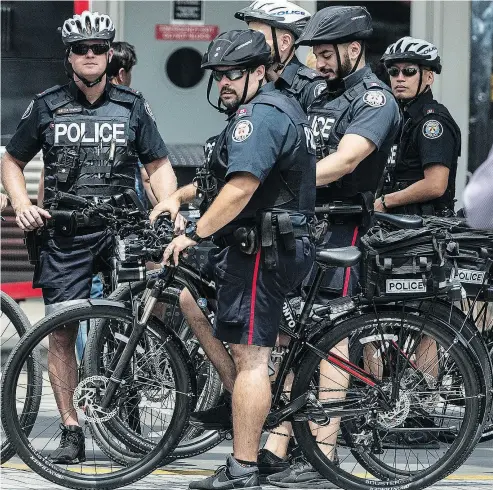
{"points": [[421, 173], [264, 163], [92, 133], [354, 123], [282, 24]]}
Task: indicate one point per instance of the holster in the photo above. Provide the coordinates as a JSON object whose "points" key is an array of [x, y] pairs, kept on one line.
{"points": [[247, 239], [32, 240], [65, 222]]}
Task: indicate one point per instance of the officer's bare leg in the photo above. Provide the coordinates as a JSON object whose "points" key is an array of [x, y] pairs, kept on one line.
{"points": [[251, 399], [213, 347], [333, 384], [62, 368]]}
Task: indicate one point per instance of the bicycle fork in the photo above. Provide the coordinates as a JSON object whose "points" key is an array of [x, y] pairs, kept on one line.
{"points": [[147, 303]]}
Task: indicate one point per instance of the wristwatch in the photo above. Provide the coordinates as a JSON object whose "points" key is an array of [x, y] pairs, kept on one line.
{"points": [[382, 200], [191, 232]]}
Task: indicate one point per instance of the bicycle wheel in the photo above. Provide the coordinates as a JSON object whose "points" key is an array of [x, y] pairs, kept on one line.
{"points": [[481, 313], [209, 387], [14, 324], [167, 413], [365, 420]]}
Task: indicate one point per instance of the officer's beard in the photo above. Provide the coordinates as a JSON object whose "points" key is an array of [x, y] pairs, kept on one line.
{"points": [[344, 70], [231, 103]]}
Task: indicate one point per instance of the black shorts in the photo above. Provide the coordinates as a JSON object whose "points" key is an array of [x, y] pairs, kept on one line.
{"points": [[338, 281], [67, 264], [250, 297]]}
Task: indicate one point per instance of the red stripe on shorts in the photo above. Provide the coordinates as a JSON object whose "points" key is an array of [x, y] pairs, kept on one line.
{"points": [[254, 297], [347, 273]]}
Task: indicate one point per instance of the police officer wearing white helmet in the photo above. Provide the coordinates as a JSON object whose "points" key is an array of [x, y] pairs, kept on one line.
{"points": [[282, 24], [77, 126], [422, 168]]}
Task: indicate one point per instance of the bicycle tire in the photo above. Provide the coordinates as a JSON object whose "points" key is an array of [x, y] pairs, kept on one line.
{"points": [[468, 433], [446, 316], [182, 390], [19, 321]]}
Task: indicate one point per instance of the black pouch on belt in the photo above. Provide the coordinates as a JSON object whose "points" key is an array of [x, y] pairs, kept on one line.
{"points": [[286, 230], [268, 240], [247, 239], [32, 239], [65, 222]]}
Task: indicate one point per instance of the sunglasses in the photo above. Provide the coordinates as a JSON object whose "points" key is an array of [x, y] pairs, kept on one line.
{"points": [[97, 49], [232, 75], [408, 71]]}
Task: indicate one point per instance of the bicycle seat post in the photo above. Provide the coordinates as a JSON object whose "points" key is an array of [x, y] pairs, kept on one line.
{"points": [[311, 295]]}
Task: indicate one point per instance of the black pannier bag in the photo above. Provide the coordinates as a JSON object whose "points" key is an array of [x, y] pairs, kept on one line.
{"points": [[403, 264], [469, 255]]}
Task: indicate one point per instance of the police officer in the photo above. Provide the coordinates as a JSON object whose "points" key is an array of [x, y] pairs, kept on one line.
{"points": [[422, 168], [264, 162], [354, 123], [282, 23], [76, 125]]}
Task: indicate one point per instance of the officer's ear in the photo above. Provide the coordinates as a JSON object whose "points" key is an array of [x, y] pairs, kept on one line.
{"points": [[354, 49], [429, 77], [285, 40], [259, 72], [110, 54]]}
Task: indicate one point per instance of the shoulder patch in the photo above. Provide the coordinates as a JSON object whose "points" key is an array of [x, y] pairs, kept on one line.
{"points": [[306, 72], [148, 110], [244, 111], [430, 111], [374, 98], [131, 90], [242, 130], [432, 129], [319, 88], [28, 111]]}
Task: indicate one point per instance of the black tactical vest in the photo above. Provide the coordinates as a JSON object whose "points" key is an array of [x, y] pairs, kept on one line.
{"points": [[89, 151], [290, 184], [329, 119], [408, 168]]}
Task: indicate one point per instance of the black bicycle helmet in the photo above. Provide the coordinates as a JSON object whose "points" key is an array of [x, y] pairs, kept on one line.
{"points": [[238, 48], [245, 48], [413, 50], [336, 25]]}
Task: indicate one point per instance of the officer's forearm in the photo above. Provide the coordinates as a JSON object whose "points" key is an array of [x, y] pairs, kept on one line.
{"points": [[229, 203], [41, 188], [352, 150], [162, 178], [13, 181], [420, 191], [185, 194]]}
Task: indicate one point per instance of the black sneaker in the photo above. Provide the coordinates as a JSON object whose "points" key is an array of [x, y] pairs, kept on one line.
{"points": [[301, 474], [268, 463], [219, 417], [72, 448], [222, 479]]}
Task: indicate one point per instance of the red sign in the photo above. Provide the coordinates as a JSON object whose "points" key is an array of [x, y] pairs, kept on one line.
{"points": [[168, 32]]}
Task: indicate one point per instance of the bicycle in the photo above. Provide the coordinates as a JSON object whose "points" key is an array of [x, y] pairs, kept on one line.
{"points": [[364, 402]]}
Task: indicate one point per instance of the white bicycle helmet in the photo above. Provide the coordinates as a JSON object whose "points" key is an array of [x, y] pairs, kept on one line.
{"points": [[277, 14], [410, 49], [88, 26]]}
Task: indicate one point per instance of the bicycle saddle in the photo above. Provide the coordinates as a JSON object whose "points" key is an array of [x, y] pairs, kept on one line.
{"points": [[338, 257], [405, 221]]}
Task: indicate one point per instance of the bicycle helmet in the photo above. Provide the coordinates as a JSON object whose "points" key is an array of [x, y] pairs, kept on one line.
{"points": [[277, 15], [337, 25], [242, 48], [88, 26], [414, 50]]}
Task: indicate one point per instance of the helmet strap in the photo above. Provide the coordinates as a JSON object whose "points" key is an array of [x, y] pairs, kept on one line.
{"points": [[225, 110], [355, 67], [218, 107]]}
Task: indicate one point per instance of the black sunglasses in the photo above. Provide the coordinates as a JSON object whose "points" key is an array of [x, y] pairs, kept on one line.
{"points": [[234, 74], [83, 49], [408, 71]]}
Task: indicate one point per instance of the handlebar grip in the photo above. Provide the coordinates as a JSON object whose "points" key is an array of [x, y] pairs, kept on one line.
{"points": [[71, 200]]}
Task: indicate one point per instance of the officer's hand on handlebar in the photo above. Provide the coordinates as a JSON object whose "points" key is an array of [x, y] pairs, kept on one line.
{"points": [[29, 217], [180, 224], [378, 206], [169, 205], [174, 249]]}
